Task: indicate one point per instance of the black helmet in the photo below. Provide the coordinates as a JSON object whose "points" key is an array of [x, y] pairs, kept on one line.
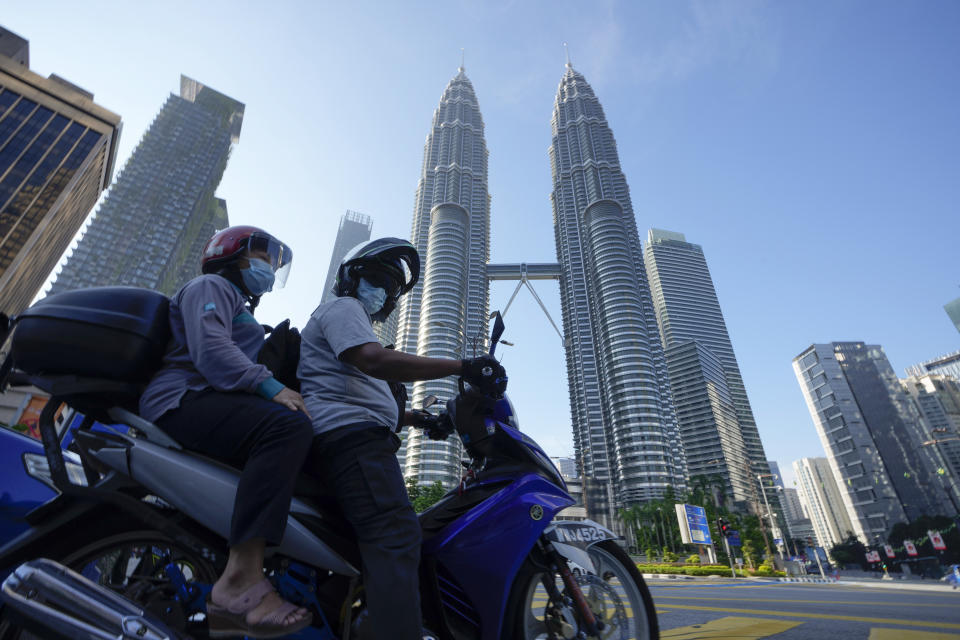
{"points": [[391, 263]]}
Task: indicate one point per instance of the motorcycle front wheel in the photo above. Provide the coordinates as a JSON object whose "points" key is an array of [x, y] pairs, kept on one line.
{"points": [[615, 592]]}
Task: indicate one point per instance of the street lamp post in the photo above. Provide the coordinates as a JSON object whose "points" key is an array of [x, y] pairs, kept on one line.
{"points": [[773, 525]]}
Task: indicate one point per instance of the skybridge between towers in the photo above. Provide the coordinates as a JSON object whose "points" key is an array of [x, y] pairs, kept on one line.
{"points": [[524, 272]]}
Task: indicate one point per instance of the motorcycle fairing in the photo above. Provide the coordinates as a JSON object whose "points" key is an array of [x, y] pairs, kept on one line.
{"points": [[490, 542], [205, 490]]}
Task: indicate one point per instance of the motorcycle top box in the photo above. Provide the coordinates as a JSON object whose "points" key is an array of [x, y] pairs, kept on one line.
{"points": [[116, 333]]}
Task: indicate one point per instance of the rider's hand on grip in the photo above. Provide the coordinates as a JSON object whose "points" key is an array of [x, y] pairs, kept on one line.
{"points": [[485, 374], [437, 427]]}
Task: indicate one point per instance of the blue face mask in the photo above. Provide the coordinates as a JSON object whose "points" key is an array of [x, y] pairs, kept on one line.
{"points": [[372, 298], [258, 277]]}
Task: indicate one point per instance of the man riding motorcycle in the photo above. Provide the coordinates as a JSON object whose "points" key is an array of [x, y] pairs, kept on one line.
{"points": [[343, 372]]}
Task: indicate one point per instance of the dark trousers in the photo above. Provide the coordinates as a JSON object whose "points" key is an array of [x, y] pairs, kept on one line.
{"points": [[360, 466], [263, 438]]}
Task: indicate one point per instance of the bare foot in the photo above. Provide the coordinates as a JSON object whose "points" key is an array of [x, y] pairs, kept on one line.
{"points": [[225, 591]]}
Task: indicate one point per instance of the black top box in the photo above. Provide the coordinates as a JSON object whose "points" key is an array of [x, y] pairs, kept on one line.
{"points": [[117, 333]]}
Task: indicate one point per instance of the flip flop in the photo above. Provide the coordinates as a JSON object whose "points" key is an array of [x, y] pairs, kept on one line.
{"points": [[231, 620]]}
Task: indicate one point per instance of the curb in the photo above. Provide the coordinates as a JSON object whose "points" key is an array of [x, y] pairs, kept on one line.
{"points": [[808, 579], [669, 576]]}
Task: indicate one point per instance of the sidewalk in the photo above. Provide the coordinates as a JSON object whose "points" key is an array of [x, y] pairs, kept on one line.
{"points": [[907, 585]]}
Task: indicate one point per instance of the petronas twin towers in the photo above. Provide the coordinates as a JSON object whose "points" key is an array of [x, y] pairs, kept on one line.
{"points": [[625, 431]]}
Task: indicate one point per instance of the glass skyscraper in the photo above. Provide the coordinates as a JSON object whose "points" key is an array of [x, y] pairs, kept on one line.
{"points": [[161, 210], [625, 432], [354, 228], [688, 310], [445, 315], [819, 493], [874, 436], [57, 152]]}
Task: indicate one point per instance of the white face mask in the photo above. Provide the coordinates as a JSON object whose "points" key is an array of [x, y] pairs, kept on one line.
{"points": [[372, 298]]}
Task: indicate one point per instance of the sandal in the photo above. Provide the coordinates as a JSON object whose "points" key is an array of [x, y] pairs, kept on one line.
{"points": [[231, 620]]}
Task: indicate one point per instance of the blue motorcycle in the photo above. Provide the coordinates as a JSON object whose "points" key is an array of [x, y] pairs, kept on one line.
{"points": [[136, 534]]}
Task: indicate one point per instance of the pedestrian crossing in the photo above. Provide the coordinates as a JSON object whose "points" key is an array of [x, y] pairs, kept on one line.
{"points": [[756, 624]]}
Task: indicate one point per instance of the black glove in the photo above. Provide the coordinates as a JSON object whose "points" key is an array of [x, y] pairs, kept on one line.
{"points": [[437, 427], [485, 374]]}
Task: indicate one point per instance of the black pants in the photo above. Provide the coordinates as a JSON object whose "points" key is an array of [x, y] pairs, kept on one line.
{"points": [[360, 466], [263, 438]]}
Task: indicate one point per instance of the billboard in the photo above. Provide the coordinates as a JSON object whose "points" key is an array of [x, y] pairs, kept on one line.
{"points": [[694, 528]]}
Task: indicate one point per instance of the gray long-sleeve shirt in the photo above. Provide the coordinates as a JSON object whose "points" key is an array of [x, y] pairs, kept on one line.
{"points": [[215, 341]]}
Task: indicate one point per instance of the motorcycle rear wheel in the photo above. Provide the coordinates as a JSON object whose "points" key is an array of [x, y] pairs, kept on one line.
{"points": [[616, 593], [128, 563]]}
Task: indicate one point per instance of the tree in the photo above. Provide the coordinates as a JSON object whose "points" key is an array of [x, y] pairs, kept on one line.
{"points": [[424, 496], [850, 551]]}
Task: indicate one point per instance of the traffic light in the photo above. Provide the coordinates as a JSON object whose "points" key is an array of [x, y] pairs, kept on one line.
{"points": [[724, 528]]}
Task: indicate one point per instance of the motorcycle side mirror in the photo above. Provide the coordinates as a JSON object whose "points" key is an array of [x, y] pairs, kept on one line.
{"points": [[429, 401], [498, 328]]}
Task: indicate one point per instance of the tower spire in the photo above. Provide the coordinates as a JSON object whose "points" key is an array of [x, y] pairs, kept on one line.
{"points": [[461, 69], [566, 50]]}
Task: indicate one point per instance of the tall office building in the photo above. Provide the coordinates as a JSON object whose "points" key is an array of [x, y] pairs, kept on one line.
{"points": [[445, 314], [354, 229], [953, 312], [948, 365], [625, 431], [149, 230], [792, 508], [821, 497], [938, 398], [688, 310], [873, 436], [57, 151], [712, 442]]}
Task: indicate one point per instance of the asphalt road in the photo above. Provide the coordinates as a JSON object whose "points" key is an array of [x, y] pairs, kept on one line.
{"points": [[791, 611]]}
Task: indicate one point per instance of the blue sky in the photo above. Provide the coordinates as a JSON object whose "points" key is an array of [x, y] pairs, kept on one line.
{"points": [[812, 149]]}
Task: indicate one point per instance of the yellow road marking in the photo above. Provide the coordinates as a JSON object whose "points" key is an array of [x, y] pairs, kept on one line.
{"points": [[897, 634], [822, 616], [732, 626], [874, 603]]}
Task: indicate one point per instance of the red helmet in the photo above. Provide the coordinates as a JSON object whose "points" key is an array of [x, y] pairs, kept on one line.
{"points": [[231, 243]]}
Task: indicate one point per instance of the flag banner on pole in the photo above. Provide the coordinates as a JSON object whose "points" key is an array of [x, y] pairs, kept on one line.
{"points": [[910, 547], [889, 551], [937, 540]]}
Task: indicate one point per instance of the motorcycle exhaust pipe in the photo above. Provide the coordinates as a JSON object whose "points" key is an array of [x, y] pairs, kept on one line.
{"points": [[48, 596]]}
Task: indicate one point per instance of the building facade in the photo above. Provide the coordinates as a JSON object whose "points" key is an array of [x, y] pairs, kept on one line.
{"points": [[162, 209], [688, 309], [445, 314], [712, 442], [626, 438], [948, 365], [57, 151], [873, 435], [938, 398], [953, 312], [820, 496], [354, 229]]}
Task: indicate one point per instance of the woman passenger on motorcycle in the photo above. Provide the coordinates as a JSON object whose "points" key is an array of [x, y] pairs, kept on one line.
{"points": [[343, 372], [212, 397]]}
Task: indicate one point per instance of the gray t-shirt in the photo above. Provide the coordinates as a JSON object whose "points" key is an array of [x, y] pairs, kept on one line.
{"points": [[338, 394]]}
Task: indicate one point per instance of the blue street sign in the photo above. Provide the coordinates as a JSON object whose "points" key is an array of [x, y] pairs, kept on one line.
{"points": [[734, 539], [697, 523]]}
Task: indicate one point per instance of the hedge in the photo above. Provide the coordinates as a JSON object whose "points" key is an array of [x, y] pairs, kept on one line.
{"points": [[703, 570]]}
